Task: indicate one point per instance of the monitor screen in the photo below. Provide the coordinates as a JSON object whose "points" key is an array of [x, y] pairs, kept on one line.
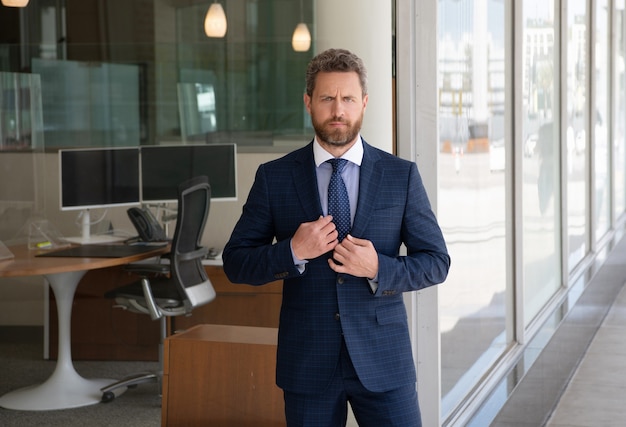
{"points": [[163, 168], [98, 177]]}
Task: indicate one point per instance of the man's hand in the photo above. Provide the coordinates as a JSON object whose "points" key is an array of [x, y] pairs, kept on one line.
{"points": [[358, 257], [315, 238]]}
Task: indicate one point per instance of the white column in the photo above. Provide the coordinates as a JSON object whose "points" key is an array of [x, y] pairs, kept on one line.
{"points": [[364, 28], [416, 65]]}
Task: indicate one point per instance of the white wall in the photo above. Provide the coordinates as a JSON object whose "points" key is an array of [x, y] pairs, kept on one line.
{"points": [[363, 27]]}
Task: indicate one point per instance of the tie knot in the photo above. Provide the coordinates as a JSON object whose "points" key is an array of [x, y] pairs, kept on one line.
{"points": [[338, 164]]}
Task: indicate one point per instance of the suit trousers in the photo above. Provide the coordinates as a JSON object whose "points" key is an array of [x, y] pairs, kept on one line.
{"points": [[394, 408]]}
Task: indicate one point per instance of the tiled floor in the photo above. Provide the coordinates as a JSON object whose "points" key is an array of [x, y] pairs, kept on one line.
{"points": [[572, 373], [595, 396]]}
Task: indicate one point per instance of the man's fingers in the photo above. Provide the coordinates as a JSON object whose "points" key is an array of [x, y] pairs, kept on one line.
{"points": [[354, 240]]}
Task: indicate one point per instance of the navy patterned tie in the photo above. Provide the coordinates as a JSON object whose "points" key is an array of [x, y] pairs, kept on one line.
{"points": [[338, 201]]}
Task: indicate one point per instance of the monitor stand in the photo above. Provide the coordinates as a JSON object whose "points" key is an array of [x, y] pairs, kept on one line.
{"points": [[87, 238]]}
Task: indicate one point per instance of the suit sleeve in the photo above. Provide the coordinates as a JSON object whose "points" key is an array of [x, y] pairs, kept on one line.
{"points": [[427, 261], [251, 255]]}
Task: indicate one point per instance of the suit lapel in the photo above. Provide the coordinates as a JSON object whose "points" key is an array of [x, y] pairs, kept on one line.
{"points": [[305, 179], [369, 185]]}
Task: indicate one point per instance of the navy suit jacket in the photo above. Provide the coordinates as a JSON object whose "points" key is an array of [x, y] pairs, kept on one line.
{"points": [[319, 305]]}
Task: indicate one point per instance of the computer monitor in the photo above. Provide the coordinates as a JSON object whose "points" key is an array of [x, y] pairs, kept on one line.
{"points": [[164, 167], [97, 178]]}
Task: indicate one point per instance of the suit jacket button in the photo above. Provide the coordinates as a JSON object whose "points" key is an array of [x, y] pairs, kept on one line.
{"points": [[337, 316], [340, 280]]}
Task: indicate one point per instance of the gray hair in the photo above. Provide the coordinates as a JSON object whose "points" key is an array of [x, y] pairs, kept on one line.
{"points": [[335, 60]]}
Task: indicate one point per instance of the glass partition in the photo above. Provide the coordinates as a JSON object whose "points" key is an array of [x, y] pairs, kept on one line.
{"points": [[21, 138], [20, 112], [132, 73], [197, 104], [89, 104], [255, 77]]}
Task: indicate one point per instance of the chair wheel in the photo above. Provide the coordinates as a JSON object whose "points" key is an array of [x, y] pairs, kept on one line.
{"points": [[108, 396]]}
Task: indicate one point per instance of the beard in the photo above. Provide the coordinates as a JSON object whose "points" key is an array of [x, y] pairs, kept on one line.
{"points": [[337, 137]]}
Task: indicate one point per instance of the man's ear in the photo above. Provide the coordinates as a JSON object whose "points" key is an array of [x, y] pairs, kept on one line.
{"points": [[307, 102]]}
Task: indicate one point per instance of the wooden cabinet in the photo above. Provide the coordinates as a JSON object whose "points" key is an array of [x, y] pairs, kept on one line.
{"points": [[242, 305], [103, 332], [219, 375]]}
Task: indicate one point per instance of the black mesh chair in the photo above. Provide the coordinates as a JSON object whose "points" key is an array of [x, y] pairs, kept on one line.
{"points": [[171, 288]]}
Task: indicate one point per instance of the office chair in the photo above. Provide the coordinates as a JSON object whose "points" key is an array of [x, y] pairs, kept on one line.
{"points": [[174, 288]]}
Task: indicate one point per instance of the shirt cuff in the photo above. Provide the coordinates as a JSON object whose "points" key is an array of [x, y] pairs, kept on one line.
{"points": [[299, 263], [373, 283]]}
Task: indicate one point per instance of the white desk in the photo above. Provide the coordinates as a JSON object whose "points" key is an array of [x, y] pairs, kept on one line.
{"points": [[65, 388]]}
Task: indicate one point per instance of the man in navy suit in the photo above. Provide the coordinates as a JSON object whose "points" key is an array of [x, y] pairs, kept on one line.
{"points": [[343, 334]]}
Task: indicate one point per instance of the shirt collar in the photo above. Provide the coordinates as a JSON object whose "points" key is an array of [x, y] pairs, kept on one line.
{"points": [[354, 154]]}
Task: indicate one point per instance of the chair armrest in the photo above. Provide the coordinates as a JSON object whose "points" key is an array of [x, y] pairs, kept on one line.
{"points": [[198, 253]]}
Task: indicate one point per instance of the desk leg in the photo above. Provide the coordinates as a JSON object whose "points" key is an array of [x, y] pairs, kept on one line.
{"points": [[65, 388]]}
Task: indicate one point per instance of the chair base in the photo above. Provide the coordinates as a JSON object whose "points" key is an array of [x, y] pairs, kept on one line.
{"points": [[108, 392]]}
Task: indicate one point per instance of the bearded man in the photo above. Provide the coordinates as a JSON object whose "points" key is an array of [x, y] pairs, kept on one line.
{"points": [[329, 220]]}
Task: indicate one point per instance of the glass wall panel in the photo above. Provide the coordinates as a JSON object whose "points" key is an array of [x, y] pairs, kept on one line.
{"points": [[540, 167], [600, 119], [247, 86], [21, 121], [577, 131], [472, 193], [619, 105], [95, 104], [254, 74], [21, 139]]}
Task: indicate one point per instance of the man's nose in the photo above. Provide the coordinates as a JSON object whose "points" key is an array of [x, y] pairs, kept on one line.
{"points": [[337, 108]]}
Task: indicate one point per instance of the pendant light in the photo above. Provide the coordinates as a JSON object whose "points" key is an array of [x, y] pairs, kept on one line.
{"points": [[301, 39], [215, 21], [15, 3]]}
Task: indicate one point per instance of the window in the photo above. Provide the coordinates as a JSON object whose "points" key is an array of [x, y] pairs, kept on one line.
{"points": [[472, 192], [577, 132]]}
